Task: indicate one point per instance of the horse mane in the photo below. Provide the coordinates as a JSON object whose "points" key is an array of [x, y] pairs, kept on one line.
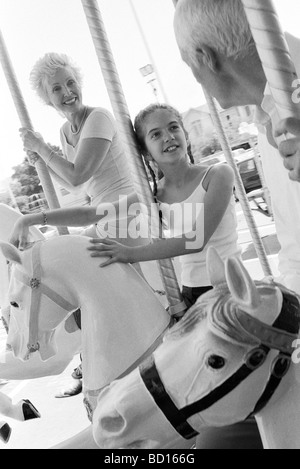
{"points": [[218, 306], [195, 314]]}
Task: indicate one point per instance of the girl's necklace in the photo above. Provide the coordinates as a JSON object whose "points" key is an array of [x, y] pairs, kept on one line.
{"points": [[81, 122]]}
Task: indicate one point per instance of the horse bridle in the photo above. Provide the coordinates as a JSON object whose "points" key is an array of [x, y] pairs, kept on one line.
{"points": [[253, 360], [37, 290]]}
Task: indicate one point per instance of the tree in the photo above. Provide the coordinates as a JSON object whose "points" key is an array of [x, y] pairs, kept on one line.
{"points": [[5, 199], [27, 177], [207, 151], [212, 146]]}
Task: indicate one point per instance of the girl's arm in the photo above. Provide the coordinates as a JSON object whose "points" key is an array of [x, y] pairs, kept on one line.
{"points": [[219, 193], [76, 217]]}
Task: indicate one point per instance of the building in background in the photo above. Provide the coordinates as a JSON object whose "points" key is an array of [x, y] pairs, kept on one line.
{"points": [[37, 202], [203, 137]]}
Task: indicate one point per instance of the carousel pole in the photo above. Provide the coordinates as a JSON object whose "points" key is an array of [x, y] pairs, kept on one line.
{"points": [[152, 61], [239, 186], [21, 109], [139, 175], [274, 54]]}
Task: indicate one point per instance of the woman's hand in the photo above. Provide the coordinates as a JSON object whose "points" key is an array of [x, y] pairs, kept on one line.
{"points": [[116, 252], [31, 140], [32, 157], [20, 233]]}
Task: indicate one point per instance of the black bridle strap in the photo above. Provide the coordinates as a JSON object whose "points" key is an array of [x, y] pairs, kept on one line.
{"points": [[288, 320], [218, 393], [154, 384], [281, 334], [270, 388], [280, 367], [177, 417]]}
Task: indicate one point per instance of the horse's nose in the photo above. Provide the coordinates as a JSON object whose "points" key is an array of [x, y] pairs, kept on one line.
{"points": [[112, 424], [108, 428]]}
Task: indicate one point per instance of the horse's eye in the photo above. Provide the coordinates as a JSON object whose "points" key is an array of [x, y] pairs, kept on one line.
{"points": [[14, 304], [216, 362]]}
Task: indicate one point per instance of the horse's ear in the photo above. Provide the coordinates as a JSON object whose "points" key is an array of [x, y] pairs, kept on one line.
{"points": [[215, 267], [241, 285], [10, 252]]}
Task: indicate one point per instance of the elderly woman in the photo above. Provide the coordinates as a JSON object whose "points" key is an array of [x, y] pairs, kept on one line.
{"points": [[93, 158]]}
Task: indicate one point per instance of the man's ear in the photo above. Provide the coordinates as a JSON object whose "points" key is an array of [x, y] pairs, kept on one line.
{"points": [[207, 56]]}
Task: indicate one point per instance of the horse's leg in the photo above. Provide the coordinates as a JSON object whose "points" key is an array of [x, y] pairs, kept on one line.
{"points": [[6, 406], [83, 440], [23, 410], [5, 432]]}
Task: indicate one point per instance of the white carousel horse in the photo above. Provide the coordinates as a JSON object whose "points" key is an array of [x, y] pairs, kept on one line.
{"points": [[10, 366], [122, 320], [8, 217], [68, 344], [228, 358], [22, 410]]}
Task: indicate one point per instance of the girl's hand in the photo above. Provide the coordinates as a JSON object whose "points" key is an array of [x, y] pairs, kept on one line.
{"points": [[20, 233], [31, 140], [116, 252]]}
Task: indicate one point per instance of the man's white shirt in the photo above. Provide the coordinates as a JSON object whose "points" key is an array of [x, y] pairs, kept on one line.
{"points": [[285, 194]]}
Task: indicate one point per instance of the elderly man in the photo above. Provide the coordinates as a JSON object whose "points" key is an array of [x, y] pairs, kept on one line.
{"points": [[215, 41]]}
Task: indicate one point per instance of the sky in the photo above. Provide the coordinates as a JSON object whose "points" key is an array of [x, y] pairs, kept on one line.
{"points": [[31, 28]]}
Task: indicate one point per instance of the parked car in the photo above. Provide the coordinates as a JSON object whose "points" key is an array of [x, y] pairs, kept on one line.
{"points": [[248, 171], [246, 164]]}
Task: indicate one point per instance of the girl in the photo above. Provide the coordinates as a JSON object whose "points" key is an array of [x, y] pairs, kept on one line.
{"points": [[185, 190]]}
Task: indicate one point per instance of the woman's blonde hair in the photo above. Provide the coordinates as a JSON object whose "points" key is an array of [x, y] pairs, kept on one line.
{"points": [[46, 67]]}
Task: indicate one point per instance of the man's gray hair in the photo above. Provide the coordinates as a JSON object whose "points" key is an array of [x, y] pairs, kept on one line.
{"points": [[46, 67], [220, 24]]}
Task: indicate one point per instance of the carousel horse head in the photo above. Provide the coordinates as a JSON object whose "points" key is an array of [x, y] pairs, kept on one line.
{"points": [[224, 361], [68, 344], [28, 294]]}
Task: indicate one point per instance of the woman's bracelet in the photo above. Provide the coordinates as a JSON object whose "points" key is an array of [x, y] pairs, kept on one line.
{"points": [[45, 219], [49, 157]]}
